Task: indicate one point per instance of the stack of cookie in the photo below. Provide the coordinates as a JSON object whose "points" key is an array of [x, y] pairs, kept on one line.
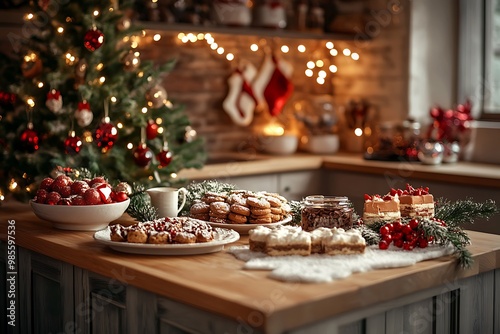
{"points": [[241, 207]]}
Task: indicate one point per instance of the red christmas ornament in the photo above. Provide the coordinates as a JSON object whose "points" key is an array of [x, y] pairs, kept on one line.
{"points": [[54, 101], [105, 135], [83, 114], [72, 144], [142, 155], [151, 130], [164, 157], [7, 99], [29, 139], [93, 39]]}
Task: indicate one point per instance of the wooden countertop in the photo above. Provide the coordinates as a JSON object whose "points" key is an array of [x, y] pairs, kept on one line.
{"points": [[216, 282], [234, 164]]}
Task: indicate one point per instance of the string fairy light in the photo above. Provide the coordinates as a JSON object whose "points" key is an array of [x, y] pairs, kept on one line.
{"points": [[319, 65]]}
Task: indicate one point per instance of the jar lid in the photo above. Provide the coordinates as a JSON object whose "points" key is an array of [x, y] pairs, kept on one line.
{"points": [[327, 200]]}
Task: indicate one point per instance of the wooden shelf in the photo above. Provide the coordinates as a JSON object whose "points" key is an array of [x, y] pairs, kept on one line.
{"points": [[247, 31], [13, 18]]}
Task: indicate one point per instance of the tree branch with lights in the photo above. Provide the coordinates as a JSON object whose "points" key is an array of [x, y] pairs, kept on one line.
{"points": [[85, 98]]}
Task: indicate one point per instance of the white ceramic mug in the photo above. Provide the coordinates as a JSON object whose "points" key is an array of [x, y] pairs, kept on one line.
{"points": [[166, 200]]}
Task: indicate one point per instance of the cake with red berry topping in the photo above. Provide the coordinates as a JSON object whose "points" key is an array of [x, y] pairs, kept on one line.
{"points": [[381, 208], [416, 203]]}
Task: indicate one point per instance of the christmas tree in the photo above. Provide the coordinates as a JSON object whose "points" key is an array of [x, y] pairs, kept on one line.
{"points": [[86, 99]]}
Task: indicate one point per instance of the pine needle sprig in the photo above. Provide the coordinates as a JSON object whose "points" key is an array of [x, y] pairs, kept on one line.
{"points": [[445, 235], [296, 207], [140, 206], [371, 235], [464, 211]]}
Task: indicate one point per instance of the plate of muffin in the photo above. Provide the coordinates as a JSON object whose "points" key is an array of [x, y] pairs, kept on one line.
{"points": [[167, 236], [241, 210]]}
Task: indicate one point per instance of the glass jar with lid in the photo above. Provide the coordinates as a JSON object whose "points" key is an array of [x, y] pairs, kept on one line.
{"points": [[326, 211]]}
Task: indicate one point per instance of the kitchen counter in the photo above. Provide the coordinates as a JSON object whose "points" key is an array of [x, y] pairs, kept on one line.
{"points": [[216, 283], [234, 164]]}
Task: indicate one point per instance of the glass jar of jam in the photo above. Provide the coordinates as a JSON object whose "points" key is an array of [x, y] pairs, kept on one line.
{"points": [[326, 211]]}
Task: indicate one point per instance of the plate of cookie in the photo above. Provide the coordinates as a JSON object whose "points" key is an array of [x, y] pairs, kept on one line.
{"points": [[167, 236], [242, 210], [246, 227]]}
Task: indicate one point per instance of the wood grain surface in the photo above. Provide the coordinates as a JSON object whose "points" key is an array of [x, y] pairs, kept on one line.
{"points": [[217, 283]]}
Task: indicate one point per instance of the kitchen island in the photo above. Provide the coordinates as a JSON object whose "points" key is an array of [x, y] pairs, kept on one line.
{"points": [[67, 282]]}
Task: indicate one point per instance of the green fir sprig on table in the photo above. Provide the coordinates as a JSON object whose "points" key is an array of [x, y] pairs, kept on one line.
{"points": [[140, 207], [464, 211], [444, 235], [296, 207]]}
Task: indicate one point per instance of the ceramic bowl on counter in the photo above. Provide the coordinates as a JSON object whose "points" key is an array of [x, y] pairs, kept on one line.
{"points": [[321, 144], [80, 217], [282, 145]]}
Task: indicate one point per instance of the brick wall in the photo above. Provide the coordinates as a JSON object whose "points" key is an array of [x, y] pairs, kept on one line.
{"points": [[199, 81], [380, 76]]}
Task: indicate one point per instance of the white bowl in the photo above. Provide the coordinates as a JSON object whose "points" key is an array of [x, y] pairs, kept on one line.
{"points": [[80, 217], [322, 144], [286, 144]]}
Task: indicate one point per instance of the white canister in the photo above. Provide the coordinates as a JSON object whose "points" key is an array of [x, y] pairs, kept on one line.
{"points": [[270, 14], [232, 12]]}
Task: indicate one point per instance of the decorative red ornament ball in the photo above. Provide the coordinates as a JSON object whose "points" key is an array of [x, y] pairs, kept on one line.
{"points": [[142, 156], [72, 145], [151, 130], [106, 135], [164, 158], [121, 196], [93, 39], [30, 140]]}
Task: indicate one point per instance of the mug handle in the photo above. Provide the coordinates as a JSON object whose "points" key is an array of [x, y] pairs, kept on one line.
{"points": [[183, 192]]}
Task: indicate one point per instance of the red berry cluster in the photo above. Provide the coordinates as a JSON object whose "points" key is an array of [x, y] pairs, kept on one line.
{"points": [[406, 236], [409, 190], [64, 191]]}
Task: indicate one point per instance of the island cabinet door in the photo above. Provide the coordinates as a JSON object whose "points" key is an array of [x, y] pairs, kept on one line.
{"points": [[462, 306], [178, 318], [110, 305], [45, 294]]}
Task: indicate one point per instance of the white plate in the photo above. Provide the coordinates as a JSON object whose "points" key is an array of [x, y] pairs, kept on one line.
{"points": [[245, 228], [224, 236]]}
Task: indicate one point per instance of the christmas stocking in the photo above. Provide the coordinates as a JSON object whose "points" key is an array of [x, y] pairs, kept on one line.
{"points": [[240, 101], [273, 86]]}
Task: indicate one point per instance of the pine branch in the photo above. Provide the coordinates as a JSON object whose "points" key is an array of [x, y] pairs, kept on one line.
{"points": [[371, 235], [296, 212], [140, 207], [445, 235], [464, 211]]}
